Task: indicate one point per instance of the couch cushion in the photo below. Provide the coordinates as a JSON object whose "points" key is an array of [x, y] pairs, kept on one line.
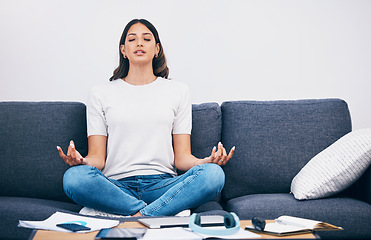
{"points": [[335, 168], [206, 128], [29, 134], [209, 206], [275, 139], [351, 214], [14, 209]]}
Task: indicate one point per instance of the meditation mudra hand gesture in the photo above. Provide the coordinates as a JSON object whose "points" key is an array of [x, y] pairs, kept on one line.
{"points": [[73, 157], [219, 157]]}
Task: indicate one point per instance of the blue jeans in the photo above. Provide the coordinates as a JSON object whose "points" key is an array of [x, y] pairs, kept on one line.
{"points": [[152, 195]]}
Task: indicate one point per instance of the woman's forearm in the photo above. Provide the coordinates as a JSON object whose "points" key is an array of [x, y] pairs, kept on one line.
{"points": [[95, 161], [186, 162]]}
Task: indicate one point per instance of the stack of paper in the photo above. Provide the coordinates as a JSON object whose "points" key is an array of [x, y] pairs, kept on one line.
{"points": [[51, 223]]}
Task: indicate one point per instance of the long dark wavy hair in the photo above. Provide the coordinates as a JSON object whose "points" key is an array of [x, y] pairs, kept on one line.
{"points": [[159, 64]]}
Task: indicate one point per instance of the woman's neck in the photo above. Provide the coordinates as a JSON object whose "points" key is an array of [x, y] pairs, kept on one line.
{"points": [[140, 75]]}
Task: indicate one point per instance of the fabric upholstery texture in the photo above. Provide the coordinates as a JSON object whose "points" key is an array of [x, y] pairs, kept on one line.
{"points": [[206, 128], [29, 160], [209, 206], [275, 139], [335, 168]]}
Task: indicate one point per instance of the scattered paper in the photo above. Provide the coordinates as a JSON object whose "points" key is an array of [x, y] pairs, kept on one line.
{"points": [[282, 228], [241, 234], [59, 217], [170, 234], [151, 234], [186, 233]]}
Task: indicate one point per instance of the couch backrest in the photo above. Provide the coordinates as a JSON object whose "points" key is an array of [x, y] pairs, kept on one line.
{"points": [[29, 133], [206, 128], [275, 139]]}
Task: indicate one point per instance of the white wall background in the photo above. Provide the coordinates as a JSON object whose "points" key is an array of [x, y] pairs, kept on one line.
{"points": [[223, 50]]}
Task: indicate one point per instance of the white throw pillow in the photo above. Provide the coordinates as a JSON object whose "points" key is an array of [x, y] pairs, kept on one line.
{"points": [[335, 168]]}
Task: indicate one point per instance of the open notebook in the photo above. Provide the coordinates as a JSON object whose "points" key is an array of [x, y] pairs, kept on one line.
{"points": [[287, 225]]}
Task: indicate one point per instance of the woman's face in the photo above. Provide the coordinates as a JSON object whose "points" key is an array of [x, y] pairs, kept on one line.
{"points": [[140, 45]]}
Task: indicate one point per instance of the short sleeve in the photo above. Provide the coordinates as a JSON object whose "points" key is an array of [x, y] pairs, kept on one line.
{"points": [[183, 118], [97, 124]]}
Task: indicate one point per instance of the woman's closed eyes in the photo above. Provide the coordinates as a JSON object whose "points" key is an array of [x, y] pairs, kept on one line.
{"points": [[145, 39]]}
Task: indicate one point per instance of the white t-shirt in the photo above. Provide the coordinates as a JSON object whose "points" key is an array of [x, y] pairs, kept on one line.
{"points": [[139, 121]]}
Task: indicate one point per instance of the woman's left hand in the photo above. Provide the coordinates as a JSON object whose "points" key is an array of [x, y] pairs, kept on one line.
{"points": [[219, 157]]}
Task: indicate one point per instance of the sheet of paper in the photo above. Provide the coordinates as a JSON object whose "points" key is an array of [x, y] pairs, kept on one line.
{"points": [[170, 234], [282, 228], [241, 234], [295, 221], [186, 233], [59, 217]]}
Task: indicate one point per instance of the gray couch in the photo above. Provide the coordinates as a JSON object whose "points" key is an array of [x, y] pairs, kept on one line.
{"points": [[273, 140]]}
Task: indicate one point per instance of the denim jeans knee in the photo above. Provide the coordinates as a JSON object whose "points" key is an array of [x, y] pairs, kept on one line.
{"points": [[75, 176], [200, 184], [214, 177], [89, 187]]}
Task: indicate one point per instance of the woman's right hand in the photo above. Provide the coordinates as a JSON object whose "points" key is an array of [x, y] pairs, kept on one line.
{"points": [[73, 157]]}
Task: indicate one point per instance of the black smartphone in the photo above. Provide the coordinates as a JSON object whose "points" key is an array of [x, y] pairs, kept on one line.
{"points": [[73, 227]]}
